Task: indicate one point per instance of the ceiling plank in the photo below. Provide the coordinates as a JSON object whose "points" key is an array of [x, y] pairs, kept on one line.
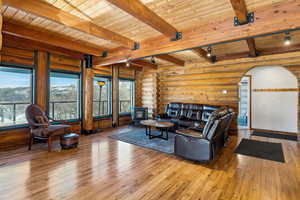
{"points": [[137, 9], [203, 54], [240, 9], [30, 32], [268, 19], [171, 59], [46, 10]]}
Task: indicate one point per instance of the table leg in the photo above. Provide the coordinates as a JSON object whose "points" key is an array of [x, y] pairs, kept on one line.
{"points": [[149, 133]]}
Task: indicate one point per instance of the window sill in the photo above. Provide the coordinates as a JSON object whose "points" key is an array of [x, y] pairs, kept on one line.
{"points": [[13, 127], [102, 117], [68, 120]]}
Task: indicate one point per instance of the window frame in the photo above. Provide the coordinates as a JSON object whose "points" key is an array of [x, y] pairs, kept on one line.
{"points": [[109, 99], [132, 97], [79, 96], [32, 86]]}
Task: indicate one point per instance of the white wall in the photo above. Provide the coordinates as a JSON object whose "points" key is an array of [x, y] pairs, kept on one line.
{"points": [[275, 111]]}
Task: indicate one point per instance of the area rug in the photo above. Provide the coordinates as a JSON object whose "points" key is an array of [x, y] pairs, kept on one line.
{"points": [[274, 135], [139, 138], [259, 149]]}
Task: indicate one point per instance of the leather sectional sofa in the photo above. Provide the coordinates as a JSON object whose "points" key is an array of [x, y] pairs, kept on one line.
{"points": [[187, 115], [201, 130]]}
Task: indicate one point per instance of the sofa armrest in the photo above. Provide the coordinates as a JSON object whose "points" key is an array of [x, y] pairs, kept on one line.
{"points": [[198, 149]]}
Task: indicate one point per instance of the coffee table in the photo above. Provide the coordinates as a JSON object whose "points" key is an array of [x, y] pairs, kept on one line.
{"points": [[163, 126]]}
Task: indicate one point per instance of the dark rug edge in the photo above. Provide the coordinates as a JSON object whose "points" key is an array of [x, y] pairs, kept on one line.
{"points": [[129, 142]]}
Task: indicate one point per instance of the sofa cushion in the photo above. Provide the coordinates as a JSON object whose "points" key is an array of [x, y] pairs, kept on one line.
{"points": [[213, 129], [186, 123], [173, 110], [208, 125], [184, 111], [207, 110]]}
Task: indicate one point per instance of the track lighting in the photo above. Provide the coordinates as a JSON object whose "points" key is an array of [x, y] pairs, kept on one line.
{"points": [[127, 64], [209, 52], [287, 39]]}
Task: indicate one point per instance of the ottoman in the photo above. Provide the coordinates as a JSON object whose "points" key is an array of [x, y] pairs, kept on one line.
{"points": [[69, 141]]}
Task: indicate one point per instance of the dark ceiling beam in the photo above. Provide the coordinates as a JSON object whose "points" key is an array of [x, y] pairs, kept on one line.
{"points": [[48, 11], [203, 54], [18, 42], [137, 9], [31, 33], [171, 59], [240, 9]]}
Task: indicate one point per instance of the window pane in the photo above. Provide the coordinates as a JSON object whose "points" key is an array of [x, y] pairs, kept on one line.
{"points": [[104, 102], [64, 96], [15, 95], [126, 95]]}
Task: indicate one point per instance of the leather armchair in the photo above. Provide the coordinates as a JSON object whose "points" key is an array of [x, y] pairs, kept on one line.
{"points": [[206, 145], [40, 128]]}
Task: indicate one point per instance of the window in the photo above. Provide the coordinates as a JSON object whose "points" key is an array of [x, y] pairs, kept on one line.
{"points": [[15, 94], [64, 98], [126, 96], [102, 107]]}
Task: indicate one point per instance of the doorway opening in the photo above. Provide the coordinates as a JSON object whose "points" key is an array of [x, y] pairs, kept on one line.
{"points": [[269, 100]]}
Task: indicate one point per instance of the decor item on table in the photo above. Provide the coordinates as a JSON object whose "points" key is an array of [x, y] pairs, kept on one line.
{"points": [[260, 149], [204, 146], [139, 138], [40, 128], [100, 84], [162, 126], [139, 114], [69, 141]]}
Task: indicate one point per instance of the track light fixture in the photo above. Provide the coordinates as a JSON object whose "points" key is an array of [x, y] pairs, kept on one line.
{"points": [[127, 63], [209, 52], [287, 39], [153, 60]]}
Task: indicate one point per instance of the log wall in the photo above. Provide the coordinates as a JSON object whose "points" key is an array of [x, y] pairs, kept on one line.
{"points": [[203, 83]]}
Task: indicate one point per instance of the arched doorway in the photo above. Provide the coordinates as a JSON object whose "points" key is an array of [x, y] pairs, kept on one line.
{"points": [[271, 100]]}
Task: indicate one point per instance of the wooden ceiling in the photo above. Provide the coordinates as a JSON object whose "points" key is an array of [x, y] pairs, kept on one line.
{"points": [[109, 15]]}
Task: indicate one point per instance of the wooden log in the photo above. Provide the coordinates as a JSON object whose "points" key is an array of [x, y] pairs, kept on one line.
{"points": [[88, 93], [41, 80], [59, 59], [115, 95]]}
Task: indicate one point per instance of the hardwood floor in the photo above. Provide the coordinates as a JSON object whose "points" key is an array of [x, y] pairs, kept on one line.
{"points": [[103, 168]]}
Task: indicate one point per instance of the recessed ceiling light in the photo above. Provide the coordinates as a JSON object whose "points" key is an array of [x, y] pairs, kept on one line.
{"points": [[209, 52], [287, 39]]}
